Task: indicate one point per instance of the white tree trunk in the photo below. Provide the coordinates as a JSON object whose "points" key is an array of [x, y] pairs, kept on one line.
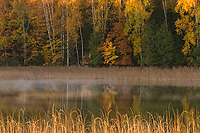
{"points": [[197, 26], [81, 35], [164, 2], [47, 24], [22, 17], [93, 15], [67, 19], [25, 30], [62, 37], [51, 19], [77, 53], [53, 28], [106, 16], [120, 7]]}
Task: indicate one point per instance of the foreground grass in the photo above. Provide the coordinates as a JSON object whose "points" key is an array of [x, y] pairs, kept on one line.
{"points": [[75, 121]]}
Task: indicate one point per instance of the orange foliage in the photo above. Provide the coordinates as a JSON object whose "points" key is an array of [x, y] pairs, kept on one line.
{"points": [[121, 42]]}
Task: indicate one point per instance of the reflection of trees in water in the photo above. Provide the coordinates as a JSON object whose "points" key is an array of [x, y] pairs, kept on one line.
{"points": [[120, 98], [37, 101], [189, 111], [70, 96], [108, 97], [136, 108]]}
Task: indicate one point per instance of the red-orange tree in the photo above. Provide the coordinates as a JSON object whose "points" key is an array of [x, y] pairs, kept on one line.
{"points": [[120, 41]]}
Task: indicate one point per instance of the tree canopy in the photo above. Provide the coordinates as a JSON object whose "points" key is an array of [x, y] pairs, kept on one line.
{"points": [[98, 32]]}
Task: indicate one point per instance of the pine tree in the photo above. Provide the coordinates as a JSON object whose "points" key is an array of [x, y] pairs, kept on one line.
{"points": [[94, 56], [165, 45], [158, 46]]}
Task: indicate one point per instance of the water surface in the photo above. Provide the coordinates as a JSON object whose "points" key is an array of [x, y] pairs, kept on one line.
{"points": [[38, 96]]}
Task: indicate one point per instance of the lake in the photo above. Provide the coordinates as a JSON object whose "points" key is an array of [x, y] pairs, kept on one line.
{"points": [[38, 96]]}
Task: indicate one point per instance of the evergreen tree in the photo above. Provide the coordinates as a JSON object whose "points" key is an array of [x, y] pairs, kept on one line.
{"points": [[196, 54], [148, 45], [164, 46], [158, 46], [94, 57]]}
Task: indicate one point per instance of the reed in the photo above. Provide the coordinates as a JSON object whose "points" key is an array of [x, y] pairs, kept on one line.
{"points": [[75, 121], [183, 76], [135, 73]]}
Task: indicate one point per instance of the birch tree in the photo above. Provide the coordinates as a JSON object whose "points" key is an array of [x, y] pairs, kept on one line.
{"points": [[76, 19], [187, 24], [164, 3], [62, 35], [67, 29], [137, 12], [100, 12], [25, 13], [196, 6], [49, 16]]}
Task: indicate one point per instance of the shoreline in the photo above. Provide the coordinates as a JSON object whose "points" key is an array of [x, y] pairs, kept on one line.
{"points": [[134, 75]]}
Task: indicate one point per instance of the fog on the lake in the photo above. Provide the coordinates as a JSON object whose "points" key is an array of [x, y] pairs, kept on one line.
{"points": [[38, 96]]}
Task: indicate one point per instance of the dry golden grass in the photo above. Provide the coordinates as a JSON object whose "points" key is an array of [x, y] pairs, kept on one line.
{"points": [[135, 73], [177, 76], [59, 122]]}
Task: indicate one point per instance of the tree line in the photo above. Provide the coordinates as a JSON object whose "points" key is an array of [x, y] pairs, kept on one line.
{"points": [[97, 32]]}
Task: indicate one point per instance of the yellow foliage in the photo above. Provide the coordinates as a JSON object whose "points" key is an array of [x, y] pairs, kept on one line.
{"points": [[137, 13], [186, 24], [146, 3], [108, 51], [137, 46], [100, 12], [185, 6], [32, 0]]}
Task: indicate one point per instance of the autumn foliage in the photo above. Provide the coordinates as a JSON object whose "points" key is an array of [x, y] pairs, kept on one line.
{"points": [[79, 32], [119, 43]]}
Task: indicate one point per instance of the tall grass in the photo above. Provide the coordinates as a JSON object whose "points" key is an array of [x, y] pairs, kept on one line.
{"points": [[136, 73], [183, 76], [76, 121]]}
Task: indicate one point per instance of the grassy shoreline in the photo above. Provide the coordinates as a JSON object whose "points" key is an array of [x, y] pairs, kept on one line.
{"points": [[137, 74]]}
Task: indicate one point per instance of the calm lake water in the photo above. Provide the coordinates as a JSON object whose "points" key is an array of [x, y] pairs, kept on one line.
{"points": [[38, 96]]}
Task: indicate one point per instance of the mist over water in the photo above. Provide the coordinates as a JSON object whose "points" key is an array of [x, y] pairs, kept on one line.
{"points": [[38, 96], [54, 83]]}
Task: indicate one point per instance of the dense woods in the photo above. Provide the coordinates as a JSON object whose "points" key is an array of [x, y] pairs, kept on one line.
{"points": [[96, 32]]}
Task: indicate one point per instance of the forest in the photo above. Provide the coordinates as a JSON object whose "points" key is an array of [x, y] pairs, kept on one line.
{"points": [[99, 32]]}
